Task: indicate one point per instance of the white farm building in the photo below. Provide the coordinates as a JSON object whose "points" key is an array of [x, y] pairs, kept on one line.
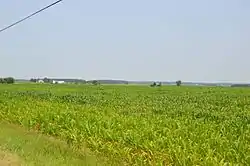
{"points": [[58, 82]]}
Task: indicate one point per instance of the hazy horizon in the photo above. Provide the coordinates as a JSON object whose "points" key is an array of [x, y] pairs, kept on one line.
{"points": [[170, 81], [197, 41]]}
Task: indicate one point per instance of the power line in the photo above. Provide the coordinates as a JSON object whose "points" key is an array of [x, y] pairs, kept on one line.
{"points": [[30, 16]]}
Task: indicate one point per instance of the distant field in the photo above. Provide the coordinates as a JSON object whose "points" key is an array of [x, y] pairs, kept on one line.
{"points": [[138, 125]]}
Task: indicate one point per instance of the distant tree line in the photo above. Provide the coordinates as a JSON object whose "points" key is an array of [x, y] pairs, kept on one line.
{"points": [[50, 80], [94, 82], [45, 80], [7, 80], [240, 85], [158, 84], [76, 81], [34, 80]]}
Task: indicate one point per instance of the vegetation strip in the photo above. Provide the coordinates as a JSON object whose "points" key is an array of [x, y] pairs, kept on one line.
{"points": [[138, 125], [20, 147]]}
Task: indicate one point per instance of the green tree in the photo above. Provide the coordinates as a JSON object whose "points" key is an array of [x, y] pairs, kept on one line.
{"points": [[33, 80], [159, 84], [95, 82], [7, 80], [153, 85], [10, 80], [178, 83], [46, 80]]}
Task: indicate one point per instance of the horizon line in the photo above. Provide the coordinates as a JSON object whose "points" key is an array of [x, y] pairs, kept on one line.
{"points": [[184, 81]]}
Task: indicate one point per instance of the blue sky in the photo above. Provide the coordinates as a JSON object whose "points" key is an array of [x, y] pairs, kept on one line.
{"points": [[134, 40]]}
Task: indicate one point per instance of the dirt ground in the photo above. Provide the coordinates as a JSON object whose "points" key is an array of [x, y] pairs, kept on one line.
{"points": [[7, 159]]}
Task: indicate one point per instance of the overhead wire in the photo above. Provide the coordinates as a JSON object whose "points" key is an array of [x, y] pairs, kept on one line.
{"points": [[15, 23]]}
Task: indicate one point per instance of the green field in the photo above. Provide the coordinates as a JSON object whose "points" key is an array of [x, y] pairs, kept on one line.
{"points": [[138, 125]]}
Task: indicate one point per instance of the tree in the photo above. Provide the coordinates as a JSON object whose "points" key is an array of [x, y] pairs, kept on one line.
{"points": [[153, 85], [7, 80], [178, 83], [159, 84], [10, 80], [33, 80], [95, 82], [46, 80]]}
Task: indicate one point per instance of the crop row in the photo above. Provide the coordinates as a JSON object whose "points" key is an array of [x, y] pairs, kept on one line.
{"points": [[146, 127]]}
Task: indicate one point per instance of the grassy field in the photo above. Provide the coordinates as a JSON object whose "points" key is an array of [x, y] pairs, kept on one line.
{"points": [[19, 147], [138, 125]]}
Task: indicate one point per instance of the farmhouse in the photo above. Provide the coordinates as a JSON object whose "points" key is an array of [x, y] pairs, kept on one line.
{"points": [[40, 81], [58, 82]]}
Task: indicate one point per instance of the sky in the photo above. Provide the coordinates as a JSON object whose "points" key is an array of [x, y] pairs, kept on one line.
{"points": [[159, 40]]}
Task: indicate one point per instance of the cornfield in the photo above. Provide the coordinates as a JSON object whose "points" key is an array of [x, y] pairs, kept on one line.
{"points": [[138, 125]]}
